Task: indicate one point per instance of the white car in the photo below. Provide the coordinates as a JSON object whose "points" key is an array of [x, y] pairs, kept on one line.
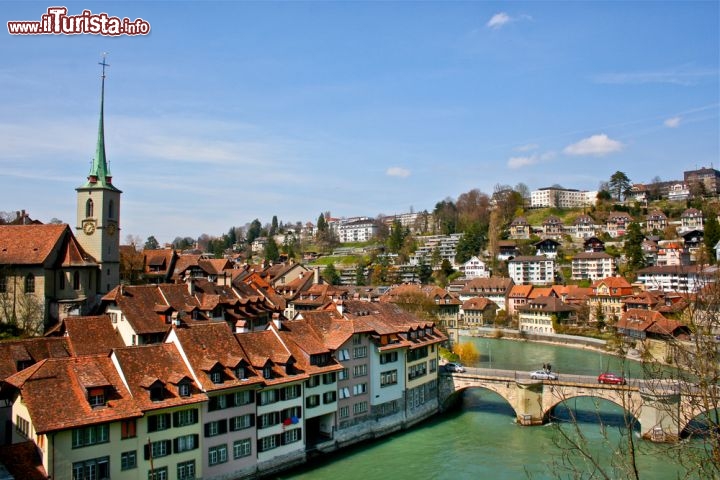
{"points": [[543, 375], [454, 367]]}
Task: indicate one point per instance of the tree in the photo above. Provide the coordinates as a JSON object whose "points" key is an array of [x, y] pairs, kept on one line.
{"points": [[273, 226], [397, 237], [424, 272], [467, 352], [711, 235], [619, 185], [151, 243], [132, 264], [331, 275], [446, 217], [360, 273], [272, 254], [633, 247], [470, 244], [321, 224], [253, 231], [693, 376], [231, 238]]}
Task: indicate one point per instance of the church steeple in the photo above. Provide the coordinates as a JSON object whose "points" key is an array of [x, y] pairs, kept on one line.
{"points": [[98, 211], [100, 176]]}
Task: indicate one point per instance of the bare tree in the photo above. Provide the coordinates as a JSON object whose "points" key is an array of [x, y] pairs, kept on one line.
{"points": [[684, 370]]}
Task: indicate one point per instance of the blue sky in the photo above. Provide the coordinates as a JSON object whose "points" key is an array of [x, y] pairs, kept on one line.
{"points": [[231, 111]]}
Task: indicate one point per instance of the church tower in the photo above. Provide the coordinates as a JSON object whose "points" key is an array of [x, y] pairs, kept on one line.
{"points": [[98, 211]]}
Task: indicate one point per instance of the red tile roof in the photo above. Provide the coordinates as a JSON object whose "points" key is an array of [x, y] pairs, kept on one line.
{"points": [[146, 365], [23, 461], [91, 335], [55, 392], [41, 245], [30, 350], [213, 345]]}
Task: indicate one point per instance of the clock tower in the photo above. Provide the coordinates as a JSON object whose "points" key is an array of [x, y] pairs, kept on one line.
{"points": [[98, 211]]}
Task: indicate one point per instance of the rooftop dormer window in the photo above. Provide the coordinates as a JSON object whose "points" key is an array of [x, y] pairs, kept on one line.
{"points": [[184, 389], [267, 371], [240, 373], [96, 397], [157, 393], [216, 377]]}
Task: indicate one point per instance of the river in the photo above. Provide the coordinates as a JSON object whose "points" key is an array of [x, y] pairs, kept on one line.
{"points": [[481, 439]]}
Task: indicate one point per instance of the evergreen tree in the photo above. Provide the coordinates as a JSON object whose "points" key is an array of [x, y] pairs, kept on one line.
{"points": [[272, 254], [230, 238], [151, 243], [397, 237], [469, 244], [253, 231], [274, 226], [619, 185], [360, 279], [321, 224], [711, 235], [633, 247], [331, 275]]}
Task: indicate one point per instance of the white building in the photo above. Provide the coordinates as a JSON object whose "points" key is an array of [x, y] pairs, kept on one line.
{"points": [[532, 270], [592, 266], [359, 230], [475, 268], [677, 278], [561, 198]]}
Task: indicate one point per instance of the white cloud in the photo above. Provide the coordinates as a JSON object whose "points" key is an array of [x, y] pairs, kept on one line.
{"points": [[598, 145], [519, 162], [397, 172], [498, 20], [527, 148], [684, 75], [673, 122]]}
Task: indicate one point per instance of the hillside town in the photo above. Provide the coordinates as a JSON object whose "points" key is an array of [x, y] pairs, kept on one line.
{"points": [[185, 363]]}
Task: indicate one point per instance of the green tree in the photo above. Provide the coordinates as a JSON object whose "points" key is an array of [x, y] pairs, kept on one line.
{"points": [[619, 185], [272, 253], [470, 244], [254, 231], [360, 273], [230, 238], [446, 217], [331, 275], [711, 235], [321, 224], [274, 226], [424, 272], [151, 243], [633, 247], [397, 237]]}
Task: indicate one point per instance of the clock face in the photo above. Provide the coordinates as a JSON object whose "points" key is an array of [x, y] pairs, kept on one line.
{"points": [[89, 228]]}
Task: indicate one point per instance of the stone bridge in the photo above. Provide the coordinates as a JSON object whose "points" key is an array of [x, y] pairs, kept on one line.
{"points": [[662, 410]]}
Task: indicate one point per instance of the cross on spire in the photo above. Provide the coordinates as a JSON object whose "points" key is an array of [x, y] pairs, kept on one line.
{"points": [[104, 64]]}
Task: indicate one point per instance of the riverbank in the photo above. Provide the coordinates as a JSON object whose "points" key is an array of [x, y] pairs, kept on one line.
{"points": [[570, 341]]}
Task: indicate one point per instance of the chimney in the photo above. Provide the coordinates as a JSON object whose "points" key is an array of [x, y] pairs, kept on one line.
{"points": [[316, 275], [339, 306], [241, 327]]}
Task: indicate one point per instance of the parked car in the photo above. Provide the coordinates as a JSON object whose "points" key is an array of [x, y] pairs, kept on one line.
{"points": [[454, 367], [611, 378], [543, 375]]}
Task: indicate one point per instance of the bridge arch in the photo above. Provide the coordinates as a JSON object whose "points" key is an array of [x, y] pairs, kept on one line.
{"points": [[694, 423], [491, 388], [627, 410]]}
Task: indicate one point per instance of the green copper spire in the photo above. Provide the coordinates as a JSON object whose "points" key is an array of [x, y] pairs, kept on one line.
{"points": [[100, 176]]}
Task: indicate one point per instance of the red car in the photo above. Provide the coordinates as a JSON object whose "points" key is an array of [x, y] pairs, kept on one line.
{"points": [[611, 378]]}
